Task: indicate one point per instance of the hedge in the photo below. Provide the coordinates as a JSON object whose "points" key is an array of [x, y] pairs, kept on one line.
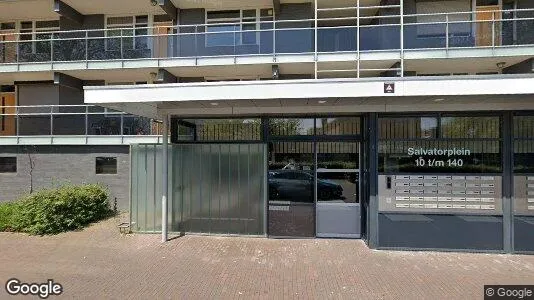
{"points": [[56, 210]]}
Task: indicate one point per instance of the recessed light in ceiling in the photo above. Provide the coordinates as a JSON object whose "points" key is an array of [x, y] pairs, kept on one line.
{"points": [[322, 101], [214, 103], [439, 99]]}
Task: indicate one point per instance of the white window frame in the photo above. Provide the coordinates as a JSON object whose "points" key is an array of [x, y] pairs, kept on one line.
{"points": [[128, 26], [35, 31], [241, 21]]}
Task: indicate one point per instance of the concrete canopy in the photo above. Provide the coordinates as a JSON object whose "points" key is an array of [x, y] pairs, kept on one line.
{"points": [[340, 96]]}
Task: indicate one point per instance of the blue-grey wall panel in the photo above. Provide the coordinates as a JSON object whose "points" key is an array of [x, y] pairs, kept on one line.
{"points": [[440, 231], [524, 233]]}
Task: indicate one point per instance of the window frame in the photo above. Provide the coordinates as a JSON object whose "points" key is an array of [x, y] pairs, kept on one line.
{"points": [[35, 31], [439, 137], [113, 158], [133, 26], [16, 165], [240, 22]]}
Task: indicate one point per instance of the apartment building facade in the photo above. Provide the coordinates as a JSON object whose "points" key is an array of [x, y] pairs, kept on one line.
{"points": [[407, 123]]}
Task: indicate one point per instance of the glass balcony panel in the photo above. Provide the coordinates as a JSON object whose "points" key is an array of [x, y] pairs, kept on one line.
{"points": [[65, 124], [69, 46], [337, 39], [134, 125], [299, 40], [422, 36], [460, 35], [8, 49], [34, 125], [379, 37], [105, 124], [517, 32], [100, 48]]}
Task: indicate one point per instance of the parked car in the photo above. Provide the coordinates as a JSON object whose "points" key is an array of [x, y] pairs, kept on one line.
{"points": [[297, 186]]}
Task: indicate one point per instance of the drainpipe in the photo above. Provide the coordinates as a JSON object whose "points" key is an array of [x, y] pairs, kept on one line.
{"points": [[165, 162]]}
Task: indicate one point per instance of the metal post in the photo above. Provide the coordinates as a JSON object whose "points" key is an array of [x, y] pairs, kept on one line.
{"points": [[86, 121], [493, 30], [447, 32], [51, 47], [17, 123], [122, 47], [315, 40], [507, 183], [86, 46], [402, 36], [165, 177], [373, 238], [122, 124], [274, 39], [358, 38], [51, 120]]}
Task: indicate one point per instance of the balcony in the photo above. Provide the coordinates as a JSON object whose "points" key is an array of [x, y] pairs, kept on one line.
{"points": [[73, 124], [421, 31]]}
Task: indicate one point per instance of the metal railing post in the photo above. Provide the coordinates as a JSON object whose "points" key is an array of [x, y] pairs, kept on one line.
{"points": [[122, 46], [447, 32], [315, 58], [274, 40], [87, 46], [52, 47], [86, 121], [402, 36], [122, 124], [493, 30], [196, 43], [17, 123], [51, 120], [358, 38]]}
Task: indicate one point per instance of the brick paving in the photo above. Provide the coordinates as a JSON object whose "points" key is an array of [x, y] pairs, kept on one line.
{"points": [[99, 263]]}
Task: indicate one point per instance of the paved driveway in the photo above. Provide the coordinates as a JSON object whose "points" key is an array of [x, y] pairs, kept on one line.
{"points": [[100, 263]]}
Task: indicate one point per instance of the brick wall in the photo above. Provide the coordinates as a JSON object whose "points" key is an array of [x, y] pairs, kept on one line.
{"points": [[55, 165]]}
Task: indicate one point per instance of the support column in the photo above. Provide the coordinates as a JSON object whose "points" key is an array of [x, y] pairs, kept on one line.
{"points": [[164, 76], [165, 189], [373, 181], [169, 8], [68, 12], [508, 184]]}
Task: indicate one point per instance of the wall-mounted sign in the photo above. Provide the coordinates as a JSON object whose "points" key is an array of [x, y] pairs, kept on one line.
{"points": [[389, 88], [434, 157]]}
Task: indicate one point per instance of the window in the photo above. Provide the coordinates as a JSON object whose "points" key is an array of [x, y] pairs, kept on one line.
{"points": [[408, 128], [523, 131], [8, 165], [338, 126], [242, 26], [435, 11], [40, 33], [217, 130], [286, 127], [457, 145], [106, 165], [133, 31]]}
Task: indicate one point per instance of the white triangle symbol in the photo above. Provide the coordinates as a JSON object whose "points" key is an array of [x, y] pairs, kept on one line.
{"points": [[389, 88]]}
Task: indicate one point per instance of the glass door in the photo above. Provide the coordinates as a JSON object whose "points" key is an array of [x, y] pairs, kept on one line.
{"points": [[291, 181], [338, 189]]}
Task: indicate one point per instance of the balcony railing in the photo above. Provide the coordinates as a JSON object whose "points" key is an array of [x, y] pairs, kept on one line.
{"points": [[365, 33], [73, 120]]}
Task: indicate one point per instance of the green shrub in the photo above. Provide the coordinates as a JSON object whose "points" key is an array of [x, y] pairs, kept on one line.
{"points": [[8, 213], [58, 210]]}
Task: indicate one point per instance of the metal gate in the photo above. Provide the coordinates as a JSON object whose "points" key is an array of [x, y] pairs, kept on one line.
{"points": [[213, 188]]}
